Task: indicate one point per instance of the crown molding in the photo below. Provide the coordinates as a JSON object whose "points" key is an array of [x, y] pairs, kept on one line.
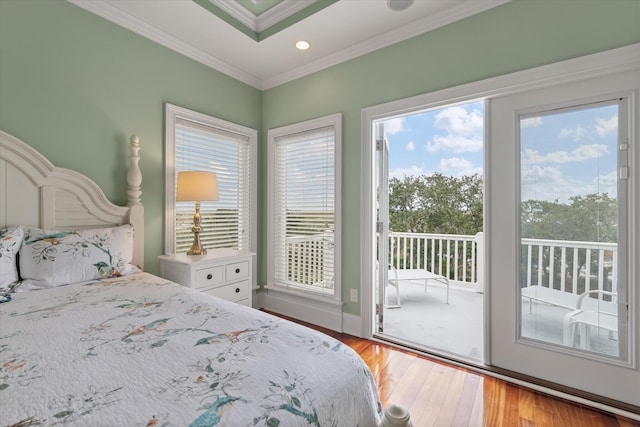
{"points": [[281, 12], [463, 10], [269, 18], [239, 13], [124, 20]]}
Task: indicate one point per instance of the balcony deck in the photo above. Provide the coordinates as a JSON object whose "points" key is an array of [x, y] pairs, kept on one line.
{"points": [[457, 328]]}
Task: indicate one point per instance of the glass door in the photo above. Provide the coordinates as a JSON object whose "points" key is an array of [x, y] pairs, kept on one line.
{"points": [[561, 236]]}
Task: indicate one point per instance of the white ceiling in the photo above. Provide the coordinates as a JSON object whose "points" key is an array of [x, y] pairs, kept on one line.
{"points": [[342, 31]]}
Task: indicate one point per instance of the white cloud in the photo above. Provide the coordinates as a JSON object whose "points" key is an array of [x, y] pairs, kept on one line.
{"points": [[606, 127], [393, 126], [454, 144], [541, 175], [400, 173], [455, 163], [459, 166], [550, 183], [545, 183], [463, 131], [576, 134], [458, 121], [410, 146], [587, 152], [531, 122], [604, 184], [529, 156], [580, 154]]}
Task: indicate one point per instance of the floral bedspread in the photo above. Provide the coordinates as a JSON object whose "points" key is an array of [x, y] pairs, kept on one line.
{"points": [[141, 351]]}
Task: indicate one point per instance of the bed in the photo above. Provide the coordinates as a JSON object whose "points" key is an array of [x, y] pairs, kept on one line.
{"points": [[86, 344]]}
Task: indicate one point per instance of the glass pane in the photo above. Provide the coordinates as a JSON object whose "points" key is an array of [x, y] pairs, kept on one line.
{"points": [[224, 221], [569, 228], [305, 194]]}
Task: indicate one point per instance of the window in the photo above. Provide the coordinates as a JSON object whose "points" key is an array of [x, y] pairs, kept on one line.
{"points": [[199, 142], [304, 205]]}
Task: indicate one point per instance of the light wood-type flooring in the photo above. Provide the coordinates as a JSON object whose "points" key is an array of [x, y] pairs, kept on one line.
{"points": [[442, 395]]}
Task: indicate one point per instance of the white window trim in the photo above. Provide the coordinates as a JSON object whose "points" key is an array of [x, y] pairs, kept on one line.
{"points": [[335, 299], [172, 113]]}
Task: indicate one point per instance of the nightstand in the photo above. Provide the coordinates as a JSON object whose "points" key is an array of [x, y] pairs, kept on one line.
{"points": [[224, 273]]}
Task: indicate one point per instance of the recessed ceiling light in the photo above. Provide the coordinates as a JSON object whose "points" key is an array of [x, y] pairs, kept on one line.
{"points": [[303, 45], [398, 5]]}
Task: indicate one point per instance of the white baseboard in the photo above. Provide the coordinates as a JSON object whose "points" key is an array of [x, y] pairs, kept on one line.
{"points": [[352, 325], [328, 316], [325, 314]]}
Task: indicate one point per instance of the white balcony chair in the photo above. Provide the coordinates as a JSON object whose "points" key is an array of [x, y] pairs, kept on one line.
{"points": [[395, 276], [392, 283], [592, 312]]}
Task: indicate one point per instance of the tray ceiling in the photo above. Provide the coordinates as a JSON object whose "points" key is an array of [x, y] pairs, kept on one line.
{"points": [[254, 40]]}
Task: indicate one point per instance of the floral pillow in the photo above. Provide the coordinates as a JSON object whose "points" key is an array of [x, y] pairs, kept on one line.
{"points": [[54, 258], [10, 241]]}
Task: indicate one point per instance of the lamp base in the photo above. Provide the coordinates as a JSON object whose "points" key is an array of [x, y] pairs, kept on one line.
{"points": [[197, 251], [196, 246]]}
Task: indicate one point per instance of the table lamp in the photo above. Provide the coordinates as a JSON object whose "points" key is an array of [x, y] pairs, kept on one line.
{"points": [[196, 186]]}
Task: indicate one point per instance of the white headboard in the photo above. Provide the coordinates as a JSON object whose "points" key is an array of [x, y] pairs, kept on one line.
{"points": [[34, 192]]}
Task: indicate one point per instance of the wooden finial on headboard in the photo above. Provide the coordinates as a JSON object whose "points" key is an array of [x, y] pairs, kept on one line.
{"points": [[134, 176]]}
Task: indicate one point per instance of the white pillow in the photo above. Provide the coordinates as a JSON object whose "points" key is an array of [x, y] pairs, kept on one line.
{"points": [[54, 258], [10, 241]]}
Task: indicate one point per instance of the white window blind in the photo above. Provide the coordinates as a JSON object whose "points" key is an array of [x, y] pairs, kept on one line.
{"points": [[225, 222], [304, 205]]}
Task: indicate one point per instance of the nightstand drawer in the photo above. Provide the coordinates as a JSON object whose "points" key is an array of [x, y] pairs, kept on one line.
{"points": [[234, 292], [211, 276], [237, 270], [221, 272]]}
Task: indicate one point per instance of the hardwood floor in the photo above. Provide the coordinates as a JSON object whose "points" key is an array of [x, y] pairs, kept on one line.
{"points": [[438, 394]]}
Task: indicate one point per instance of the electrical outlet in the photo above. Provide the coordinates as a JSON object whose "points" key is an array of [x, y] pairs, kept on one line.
{"points": [[354, 295]]}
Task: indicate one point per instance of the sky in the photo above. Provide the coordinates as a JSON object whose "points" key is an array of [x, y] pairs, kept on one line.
{"points": [[569, 153], [562, 153], [446, 140]]}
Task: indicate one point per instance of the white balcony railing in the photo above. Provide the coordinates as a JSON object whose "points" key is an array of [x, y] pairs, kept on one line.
{"points": [[451, 255], [309, 260], [568, 266], [556, 264]]}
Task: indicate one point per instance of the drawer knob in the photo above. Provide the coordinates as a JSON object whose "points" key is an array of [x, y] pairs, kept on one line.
{"points": [[209, 276], [237, 270], [237, 290]]}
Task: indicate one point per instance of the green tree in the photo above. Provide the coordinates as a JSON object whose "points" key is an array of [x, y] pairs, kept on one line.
{"points": [[591, 218], [436, 204]]}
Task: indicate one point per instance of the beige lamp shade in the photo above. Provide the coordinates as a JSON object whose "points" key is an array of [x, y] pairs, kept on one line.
{"points": [[196, 186]]}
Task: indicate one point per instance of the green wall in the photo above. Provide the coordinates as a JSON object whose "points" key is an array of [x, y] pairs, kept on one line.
{"points": [[515, 36], [75, 87]]}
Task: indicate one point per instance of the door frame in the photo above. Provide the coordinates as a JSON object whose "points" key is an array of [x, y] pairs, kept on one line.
{"points": [[572, 70], [382, 225]]}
